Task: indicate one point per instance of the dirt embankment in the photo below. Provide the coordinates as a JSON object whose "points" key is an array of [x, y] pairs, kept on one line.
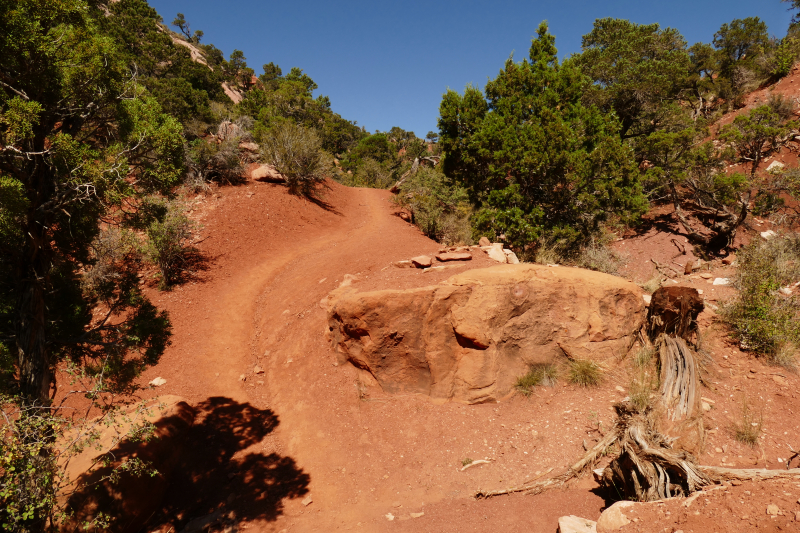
{"points": [[287, 438]]}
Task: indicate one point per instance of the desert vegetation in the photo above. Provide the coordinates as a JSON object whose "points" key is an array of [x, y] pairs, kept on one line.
{"points": [[109, 119]]}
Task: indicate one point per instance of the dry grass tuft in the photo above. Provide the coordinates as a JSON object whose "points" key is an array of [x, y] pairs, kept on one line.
{"points": [[539, 374], [585, 373], [748, 428]]}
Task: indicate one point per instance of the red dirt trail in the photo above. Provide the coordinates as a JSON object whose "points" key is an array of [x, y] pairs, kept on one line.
{"points": [[302, 427]]}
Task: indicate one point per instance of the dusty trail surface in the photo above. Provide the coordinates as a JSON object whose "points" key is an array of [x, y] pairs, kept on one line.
{"points": [[280, 421], [288, 438]]}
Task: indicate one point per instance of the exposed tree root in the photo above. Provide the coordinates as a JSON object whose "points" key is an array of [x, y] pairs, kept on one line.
{"points": [[647, 468], [719, 474], [536, 487]]}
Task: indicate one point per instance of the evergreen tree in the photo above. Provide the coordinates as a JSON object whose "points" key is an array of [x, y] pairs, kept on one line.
{"points": [[538, 162]]}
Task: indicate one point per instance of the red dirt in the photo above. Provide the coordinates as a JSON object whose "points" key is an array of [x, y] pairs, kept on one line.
{"points": [[310, 427], [307, 426]]}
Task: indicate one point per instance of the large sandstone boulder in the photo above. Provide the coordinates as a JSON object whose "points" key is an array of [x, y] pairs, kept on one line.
{"points": [[469, 338]]}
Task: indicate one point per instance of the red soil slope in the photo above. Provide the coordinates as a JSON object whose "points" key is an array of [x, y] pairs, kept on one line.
{"points": [[280, 422]]}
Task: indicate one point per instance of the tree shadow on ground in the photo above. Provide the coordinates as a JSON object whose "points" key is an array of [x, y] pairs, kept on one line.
{"points": [[217, 481], [210, 474]]}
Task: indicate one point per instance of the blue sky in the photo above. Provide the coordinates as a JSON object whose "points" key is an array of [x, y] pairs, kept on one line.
{"points": [[387, 64]]}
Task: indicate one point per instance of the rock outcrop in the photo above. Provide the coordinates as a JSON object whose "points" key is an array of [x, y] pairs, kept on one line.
{"points": [[469, 338]]}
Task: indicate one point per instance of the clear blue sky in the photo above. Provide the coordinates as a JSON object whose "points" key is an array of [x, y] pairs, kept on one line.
{"points": [[387, 64]]}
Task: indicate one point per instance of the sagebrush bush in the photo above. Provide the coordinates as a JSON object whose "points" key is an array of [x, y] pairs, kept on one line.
{"points": [[593, 254], [296, 152], [539, 374], [439, 207], [584, 372], [166, 242], [764, 319]]}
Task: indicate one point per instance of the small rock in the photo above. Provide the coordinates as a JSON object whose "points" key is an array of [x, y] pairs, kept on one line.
{"points": [[620, 389], [403, 264], [780, 380], [511, 257], [242, 377], [722, 281], [775, 166], [576, 524], [495, 252], [389, 517], [687, 268], [613, 518], [786, 291], [647, 299], [307, 500], [157, 382], [729, 259], [736, 483], [773, 510], [422, 261], [797, 516], [705, 275], [417, 515], [484, 242], [454, 256], [253, 147], [768, 234], [718, 450], [706, 407], [700, 291], [397, 504], [258, 370]]}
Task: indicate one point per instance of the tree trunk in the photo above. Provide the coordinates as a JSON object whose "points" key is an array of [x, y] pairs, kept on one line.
{"points": [[34, 359]]}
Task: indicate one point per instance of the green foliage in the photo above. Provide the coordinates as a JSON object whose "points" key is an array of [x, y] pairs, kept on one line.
{"points": [[584, 372], [296, 152], [376, 147], [533, 144], [756, 135], [636, 69], [183, 87], [764, 319], [166, 239], [369, 173], [538, 375], [439, 207], [82, 142], [277, 99]]}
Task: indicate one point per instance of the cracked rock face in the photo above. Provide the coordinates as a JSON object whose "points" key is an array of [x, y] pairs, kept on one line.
{"points": [[469, 338]]}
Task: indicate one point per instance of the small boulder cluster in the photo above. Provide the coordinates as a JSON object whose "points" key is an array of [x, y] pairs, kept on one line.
{"points": [[495, 251]]}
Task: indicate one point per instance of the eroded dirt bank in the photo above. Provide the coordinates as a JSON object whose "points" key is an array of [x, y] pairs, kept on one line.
{"points": [[280, 421]]}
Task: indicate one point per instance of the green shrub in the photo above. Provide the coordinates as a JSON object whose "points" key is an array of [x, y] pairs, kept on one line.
{"points": [[764, 319], [439, 207], [584, 372], [166, 242], [539, 374], [592, 254], [296, 153]]}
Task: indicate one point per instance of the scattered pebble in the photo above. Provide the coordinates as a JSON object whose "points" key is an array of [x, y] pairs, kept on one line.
{"points": [[157, 382], [773, 510], [307, 500]]}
